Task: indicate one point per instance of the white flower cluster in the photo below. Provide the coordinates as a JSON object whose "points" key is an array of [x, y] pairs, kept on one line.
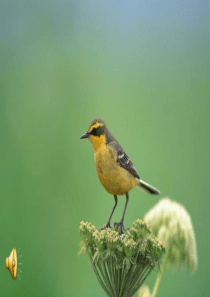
{"points": [[171, 223]]}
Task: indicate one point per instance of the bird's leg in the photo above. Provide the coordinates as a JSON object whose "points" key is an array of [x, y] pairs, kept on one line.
{"points": [[120, 224], [108, 223]]}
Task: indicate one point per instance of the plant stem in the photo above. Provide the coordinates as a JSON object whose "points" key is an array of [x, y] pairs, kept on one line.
{"points": [[163, 266], [105, 276], [147, 271], [119, 272], [126, 279], [100, 280], [111, 273], [138, 275], [123, 280]]}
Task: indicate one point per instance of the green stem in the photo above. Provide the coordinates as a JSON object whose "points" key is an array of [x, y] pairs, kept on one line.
{"points": [[123, 280], [104, 275], [139, 284], [111, 273], [138, 274], [129, 278], [131, 275], [138, 277], [100, 280], [163, 266], [116, 277], [119, 271]]}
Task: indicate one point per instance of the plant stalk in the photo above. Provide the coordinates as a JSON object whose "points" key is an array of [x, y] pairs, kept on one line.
{"points": [[160, 275]]}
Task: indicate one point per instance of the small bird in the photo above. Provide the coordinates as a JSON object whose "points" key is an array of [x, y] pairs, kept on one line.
{"points": [[115, 170]]}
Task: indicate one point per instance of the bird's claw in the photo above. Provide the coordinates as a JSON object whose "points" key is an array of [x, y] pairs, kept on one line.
{"points": [[119, 226], [106, 226]]}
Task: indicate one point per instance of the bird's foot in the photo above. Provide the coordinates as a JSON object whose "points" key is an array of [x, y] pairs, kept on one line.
{"points": [[106, 226], [119, 226]]}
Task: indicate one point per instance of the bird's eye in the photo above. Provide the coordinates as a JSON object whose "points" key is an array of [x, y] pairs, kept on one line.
{"points": [[94, 132], [98, 131]]}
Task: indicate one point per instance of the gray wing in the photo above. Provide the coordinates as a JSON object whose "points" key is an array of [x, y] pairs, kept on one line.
{"points": [[123, 159]]}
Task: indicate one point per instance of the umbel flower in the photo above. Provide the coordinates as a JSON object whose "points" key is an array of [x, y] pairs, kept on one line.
{"points": [[171, 223], [121, 263]]}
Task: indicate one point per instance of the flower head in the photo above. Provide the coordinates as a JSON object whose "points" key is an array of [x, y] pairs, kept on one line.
{"points": [[129, 246], [86, 231], [121, 262], [140, 229], [172, 224]]}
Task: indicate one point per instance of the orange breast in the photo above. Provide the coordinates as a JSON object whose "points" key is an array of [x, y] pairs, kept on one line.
{"points": [[115, 179]]}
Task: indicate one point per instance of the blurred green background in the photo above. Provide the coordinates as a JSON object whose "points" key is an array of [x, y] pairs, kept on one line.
{"points": [[143, 67]]}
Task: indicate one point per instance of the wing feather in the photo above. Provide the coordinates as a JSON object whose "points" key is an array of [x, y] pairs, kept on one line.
{"points": [[123, 159]]}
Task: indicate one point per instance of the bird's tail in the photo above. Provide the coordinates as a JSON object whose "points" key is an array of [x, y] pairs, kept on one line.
{"points": [[147, 188]]}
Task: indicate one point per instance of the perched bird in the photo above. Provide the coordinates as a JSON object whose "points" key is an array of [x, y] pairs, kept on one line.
{"points": [[115, 170]]}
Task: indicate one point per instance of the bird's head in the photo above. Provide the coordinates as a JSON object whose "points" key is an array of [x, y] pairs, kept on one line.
{"points": [[96, 133]]}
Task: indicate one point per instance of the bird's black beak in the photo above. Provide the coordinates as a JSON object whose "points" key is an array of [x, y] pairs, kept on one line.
{"points": [[86, 135]]}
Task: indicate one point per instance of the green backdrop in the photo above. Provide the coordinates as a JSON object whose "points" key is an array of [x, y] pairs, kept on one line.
{"points": [[143, 67]]}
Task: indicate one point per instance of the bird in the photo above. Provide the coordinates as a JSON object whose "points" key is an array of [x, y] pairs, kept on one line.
{"points": [[115, 169]]}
